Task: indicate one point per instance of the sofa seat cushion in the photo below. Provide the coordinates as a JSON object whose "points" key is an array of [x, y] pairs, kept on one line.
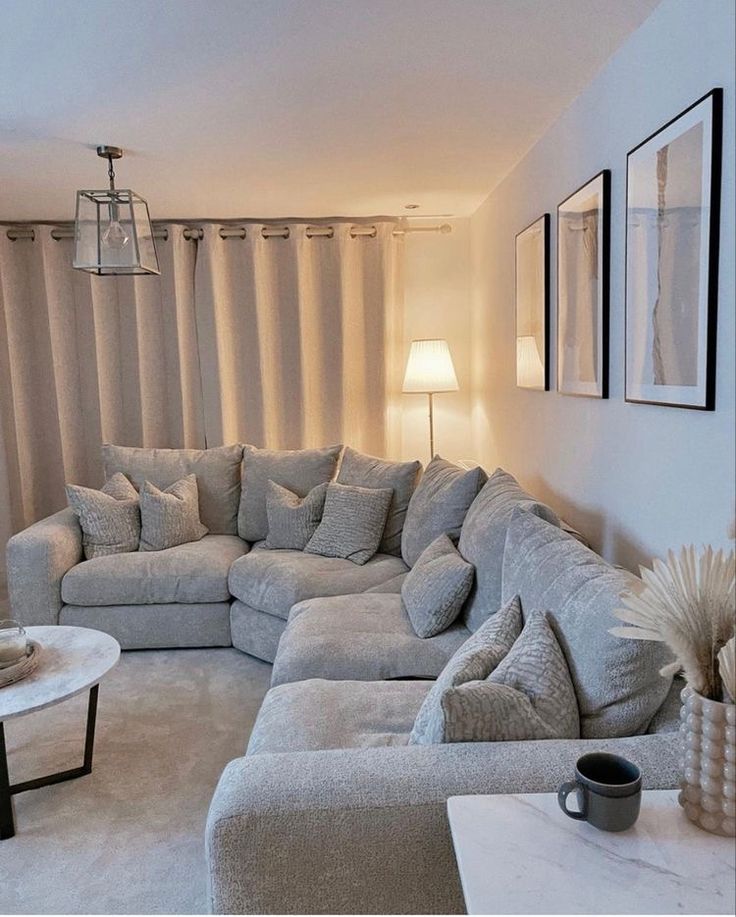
{"points": [[274, 581], [365, 637], [318, 714], [188, 573]]}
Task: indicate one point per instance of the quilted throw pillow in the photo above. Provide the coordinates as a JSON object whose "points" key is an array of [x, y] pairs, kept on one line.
{"points": [[170, 517], [292, 520], [110, 518], [526, 694], [435, 588], [352, 523]]}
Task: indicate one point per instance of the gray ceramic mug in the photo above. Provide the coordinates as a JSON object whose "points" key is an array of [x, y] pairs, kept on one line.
{"points": [[608, 790]]}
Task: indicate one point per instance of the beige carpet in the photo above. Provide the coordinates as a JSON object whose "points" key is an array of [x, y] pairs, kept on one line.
{"points": [[128, 838]]}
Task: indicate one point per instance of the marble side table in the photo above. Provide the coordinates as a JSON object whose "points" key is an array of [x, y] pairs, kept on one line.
{"points": [[74, 660], [519, 854]]}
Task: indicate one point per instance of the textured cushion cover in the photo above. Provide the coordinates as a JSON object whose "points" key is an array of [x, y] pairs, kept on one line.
{"points": [[170, 517], [365, 637], [188, 573], [435, 588], [273, 581], [317, 714], [483, 538], [110, 518], [217, 470], [292, 520], [439, 505], [298, 470], [369, 471], [528, 695], [474, 660], [617, 682], [352, 523]]}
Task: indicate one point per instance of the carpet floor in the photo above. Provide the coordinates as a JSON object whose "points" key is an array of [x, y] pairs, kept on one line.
{"points": [[129, 837]]}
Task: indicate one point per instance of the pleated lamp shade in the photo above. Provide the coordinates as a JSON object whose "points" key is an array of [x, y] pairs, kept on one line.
{"points": [[429, 368]]}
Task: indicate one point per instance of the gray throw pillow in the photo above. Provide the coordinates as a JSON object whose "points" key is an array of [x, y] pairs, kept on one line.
{"points": [[362, 470], [217, 470], [617, 681], [527, 695], [435, 588], [292, 520], [170, 517], [352, 523], [439, 504], [473, 661], [110, 518], [298, 470], [483, 537]]}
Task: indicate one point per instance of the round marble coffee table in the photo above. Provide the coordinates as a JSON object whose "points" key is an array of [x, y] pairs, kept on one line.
{"points": [[74, 660]]}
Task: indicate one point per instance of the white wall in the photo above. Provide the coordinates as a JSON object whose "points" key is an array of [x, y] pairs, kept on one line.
{"points": [[437, 305], [637, 479]]}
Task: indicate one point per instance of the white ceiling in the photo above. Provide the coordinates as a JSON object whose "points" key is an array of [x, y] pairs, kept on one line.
{"points": [[270, 108]]}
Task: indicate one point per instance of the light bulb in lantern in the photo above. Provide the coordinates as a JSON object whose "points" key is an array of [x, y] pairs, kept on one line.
{"points": [[114, 236]]}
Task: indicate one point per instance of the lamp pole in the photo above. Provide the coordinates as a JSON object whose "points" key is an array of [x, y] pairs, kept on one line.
{"points": [[431, 425]]}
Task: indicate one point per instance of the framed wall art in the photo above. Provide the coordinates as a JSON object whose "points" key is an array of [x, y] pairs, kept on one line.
{"points": [[532, 305], [673, 181], [583, 258]]}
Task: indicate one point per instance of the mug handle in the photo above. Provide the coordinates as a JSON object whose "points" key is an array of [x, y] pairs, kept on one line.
{"points": [[562, 794]]}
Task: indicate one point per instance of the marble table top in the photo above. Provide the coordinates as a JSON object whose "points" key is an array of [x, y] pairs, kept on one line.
{"points": [[73, 660], [519, 854]]}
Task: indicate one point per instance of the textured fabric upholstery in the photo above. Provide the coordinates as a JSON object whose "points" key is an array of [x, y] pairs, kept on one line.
{"points": [[145, 627], [368, 832], [483, 537], [439, 505], [217, 471], [352, 523], [189, 573], [170, 517], [292, 520], [436, 587], [298, 470], [110, 518], [362, 470], [317, 714], [273, 581], [617, 682], [392, 586], [255, 632], [37, 559], [528, 695], [365, 637]]}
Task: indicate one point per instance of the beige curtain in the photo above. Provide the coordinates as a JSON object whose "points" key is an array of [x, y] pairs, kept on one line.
{"points": [[280, 342]]}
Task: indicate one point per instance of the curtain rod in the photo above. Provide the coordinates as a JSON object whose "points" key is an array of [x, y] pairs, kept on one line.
{"points": [[194, 233]]}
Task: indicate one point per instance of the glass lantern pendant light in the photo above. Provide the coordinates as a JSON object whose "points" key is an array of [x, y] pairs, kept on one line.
{"points": [[112, 231]]}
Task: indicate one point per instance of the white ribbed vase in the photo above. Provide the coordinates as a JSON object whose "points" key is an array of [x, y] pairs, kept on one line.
{"points": [[708, 763]]}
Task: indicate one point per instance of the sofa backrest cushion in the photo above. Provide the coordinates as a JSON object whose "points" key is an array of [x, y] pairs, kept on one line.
{"points": [[217, 471], [359, 470], [617, 681], [299, 470], [439, 505], [483, 537]]}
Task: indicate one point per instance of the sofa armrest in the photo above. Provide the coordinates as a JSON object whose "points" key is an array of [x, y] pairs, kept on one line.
{"points": [[37, 559], [365, 830]]}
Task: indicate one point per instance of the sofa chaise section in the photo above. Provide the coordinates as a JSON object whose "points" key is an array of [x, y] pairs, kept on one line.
{"points": [[365, 637], [267, 584]]}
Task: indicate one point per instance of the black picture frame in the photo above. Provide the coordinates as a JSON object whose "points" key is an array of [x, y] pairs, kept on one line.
{"points": [[600, 347], [708, 111], [531, 334]]}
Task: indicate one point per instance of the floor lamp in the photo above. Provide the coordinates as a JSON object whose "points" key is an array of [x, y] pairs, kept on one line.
{"points": [[429, 370]]}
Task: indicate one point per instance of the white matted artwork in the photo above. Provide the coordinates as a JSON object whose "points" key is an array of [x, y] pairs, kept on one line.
{"points": [[672, 223], [583, 254], [532, 305]]}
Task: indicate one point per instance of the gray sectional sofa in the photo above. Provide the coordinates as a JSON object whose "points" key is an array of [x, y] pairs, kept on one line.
{"points": [[331, 809]]}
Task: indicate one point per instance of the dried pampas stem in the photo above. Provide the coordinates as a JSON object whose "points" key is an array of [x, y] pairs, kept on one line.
{"points": [[727, 669]]}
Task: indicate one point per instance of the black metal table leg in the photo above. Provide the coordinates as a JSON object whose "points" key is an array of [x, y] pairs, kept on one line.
{"points": [[7, 823], [8, 790]]}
